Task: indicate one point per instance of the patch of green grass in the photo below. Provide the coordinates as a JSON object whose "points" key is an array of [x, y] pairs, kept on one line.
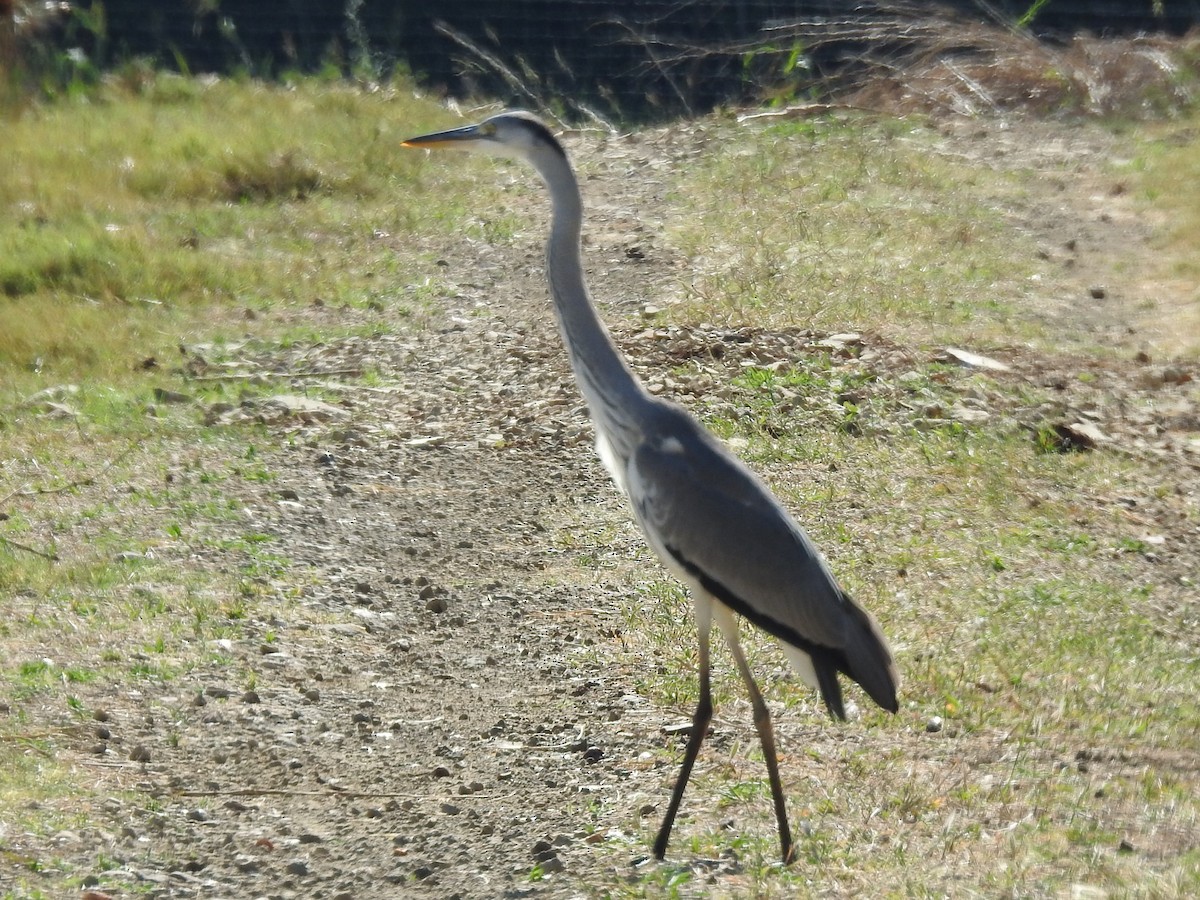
{"points": [[36, 788], [844, 224], [129, 228], [1166, 174], [1164, 177], [124, 603], [660, 613]]}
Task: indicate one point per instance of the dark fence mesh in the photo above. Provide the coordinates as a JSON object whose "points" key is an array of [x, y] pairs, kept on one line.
{"points": [[631, 60]]}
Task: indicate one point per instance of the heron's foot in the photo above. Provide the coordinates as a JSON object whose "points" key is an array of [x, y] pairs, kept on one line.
{"points": [[660, 846], [789, 852]]}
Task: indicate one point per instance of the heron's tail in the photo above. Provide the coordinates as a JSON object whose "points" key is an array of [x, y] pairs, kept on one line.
{"points": [[868, 660]]}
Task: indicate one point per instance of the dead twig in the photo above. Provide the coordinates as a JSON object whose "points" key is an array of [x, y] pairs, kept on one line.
{"points": [[352, 795], [59, 489], [237, 376], [16, 545], [31, 741], [491, 61], [799, 111], [86, 481], [973, 86], [649, 45]]}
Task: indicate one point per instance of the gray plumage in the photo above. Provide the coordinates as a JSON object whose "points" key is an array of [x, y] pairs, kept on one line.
{"points": [[705, 514]]}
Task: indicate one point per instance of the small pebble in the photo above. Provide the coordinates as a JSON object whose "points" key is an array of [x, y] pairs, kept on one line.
{"points": [[934, 725]]}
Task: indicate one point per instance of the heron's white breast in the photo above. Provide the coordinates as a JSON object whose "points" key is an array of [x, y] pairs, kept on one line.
{"points": [[611, 461]]}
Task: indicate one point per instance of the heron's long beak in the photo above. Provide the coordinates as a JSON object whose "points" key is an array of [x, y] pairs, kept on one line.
{"points": [[452, 138]]}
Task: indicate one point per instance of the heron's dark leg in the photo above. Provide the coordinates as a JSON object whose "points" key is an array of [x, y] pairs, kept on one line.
{"points": [[766, 734], [700, 723]]}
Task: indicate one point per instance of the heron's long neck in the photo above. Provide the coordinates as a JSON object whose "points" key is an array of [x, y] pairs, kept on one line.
{"points": [[613, 393]]}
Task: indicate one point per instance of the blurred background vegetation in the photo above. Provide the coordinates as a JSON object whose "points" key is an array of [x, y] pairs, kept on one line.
{"points": [[621, 60]]}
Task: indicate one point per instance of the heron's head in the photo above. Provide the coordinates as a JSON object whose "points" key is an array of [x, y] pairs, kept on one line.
{"points": [[516, 134]]}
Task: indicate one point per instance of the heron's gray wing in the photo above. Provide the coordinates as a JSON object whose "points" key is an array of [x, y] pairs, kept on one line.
{"points": [[718, 520], [713, 518]]}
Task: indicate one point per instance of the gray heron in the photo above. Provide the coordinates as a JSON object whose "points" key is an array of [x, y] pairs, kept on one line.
{"points": [[711, 521]]}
